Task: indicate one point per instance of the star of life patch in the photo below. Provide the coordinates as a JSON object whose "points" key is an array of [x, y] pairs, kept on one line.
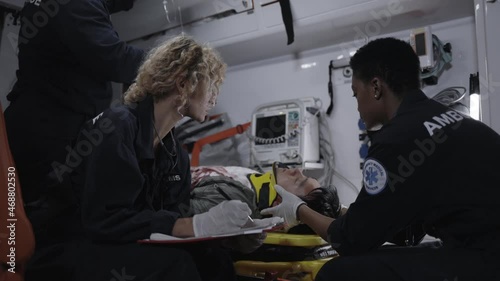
{"points": [[374, 176]]}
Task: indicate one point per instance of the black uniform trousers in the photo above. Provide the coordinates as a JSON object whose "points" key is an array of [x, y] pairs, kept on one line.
{"points": [[83, 261], [429, 261]]}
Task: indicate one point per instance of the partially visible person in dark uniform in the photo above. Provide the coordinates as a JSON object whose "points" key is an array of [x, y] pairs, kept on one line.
{"points": [[427, 165], [68, 55], [135, 182]]}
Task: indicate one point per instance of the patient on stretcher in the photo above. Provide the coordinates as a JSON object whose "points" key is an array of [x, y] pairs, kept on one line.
{"points": [[257, 190]]}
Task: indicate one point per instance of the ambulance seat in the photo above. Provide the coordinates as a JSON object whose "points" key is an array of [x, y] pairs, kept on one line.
{"points": [[285, 256], [17, 242]]}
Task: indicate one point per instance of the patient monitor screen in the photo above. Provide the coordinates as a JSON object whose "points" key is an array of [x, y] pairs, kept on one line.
{"points": [[271, 127]]}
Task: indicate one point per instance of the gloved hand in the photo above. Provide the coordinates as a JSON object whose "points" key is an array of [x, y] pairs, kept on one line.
{"points": [[249, 243], [267, 221], [287, 209], [225, 217]]}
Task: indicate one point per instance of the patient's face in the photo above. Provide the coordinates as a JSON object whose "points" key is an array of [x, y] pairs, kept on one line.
{"points": [[294, 181]]}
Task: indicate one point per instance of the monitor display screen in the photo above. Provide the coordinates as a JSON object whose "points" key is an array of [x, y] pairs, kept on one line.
{"points": [[271, 127]]}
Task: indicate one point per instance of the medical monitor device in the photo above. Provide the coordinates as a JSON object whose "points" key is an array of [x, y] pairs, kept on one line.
{"points": [[421, 42], [285, 131]]}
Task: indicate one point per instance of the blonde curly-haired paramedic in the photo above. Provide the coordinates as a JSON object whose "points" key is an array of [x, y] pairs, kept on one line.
{"points": [[136, 181]]}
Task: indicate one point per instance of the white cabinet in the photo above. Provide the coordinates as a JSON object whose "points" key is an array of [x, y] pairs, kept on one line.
{"points": [[250, 30], [488, 44], [305, 12], [227, 30], [152, 16]]}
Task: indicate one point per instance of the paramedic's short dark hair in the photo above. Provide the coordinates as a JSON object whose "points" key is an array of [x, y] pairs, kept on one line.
{"points": [[323, 200], [391, 60]]}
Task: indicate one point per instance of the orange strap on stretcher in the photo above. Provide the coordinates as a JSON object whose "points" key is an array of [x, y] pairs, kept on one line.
{"points": [[195, 154]]}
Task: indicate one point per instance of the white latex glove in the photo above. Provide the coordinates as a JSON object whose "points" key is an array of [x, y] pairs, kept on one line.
{"points": [[225, 217], [267, 221], [287, 209]]}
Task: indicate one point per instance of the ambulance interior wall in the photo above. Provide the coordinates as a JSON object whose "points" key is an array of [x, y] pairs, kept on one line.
{"points": [[250, 85]]}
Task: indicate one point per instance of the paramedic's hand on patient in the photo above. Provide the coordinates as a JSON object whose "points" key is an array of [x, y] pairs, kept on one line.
{"points": [[287, 209], [226, 217]]}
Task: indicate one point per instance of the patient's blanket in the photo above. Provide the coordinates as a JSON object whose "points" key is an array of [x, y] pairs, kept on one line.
{"points": [[234, 172], [206, 195], [261, 184]]}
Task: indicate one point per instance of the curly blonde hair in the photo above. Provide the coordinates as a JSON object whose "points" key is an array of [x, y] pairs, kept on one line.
{"points": [[179, 57]]}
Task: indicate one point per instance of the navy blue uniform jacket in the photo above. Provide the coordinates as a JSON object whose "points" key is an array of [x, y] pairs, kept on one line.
{"points": [[428, 165], [126, 190], [68, 54]]}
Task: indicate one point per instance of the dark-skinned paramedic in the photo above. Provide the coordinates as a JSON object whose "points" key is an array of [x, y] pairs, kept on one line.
{"points": [[427, 165], [68, 55]]}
